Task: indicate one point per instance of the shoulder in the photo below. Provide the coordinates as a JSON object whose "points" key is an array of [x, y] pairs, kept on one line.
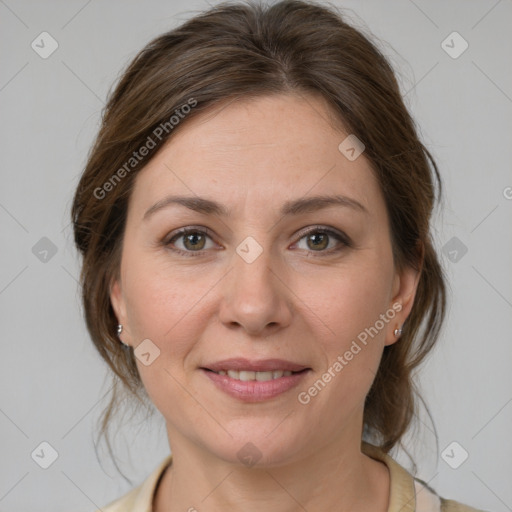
{"points": [[125, 503], [139, 499], [411, 494], [455, 506], [427, 500]]}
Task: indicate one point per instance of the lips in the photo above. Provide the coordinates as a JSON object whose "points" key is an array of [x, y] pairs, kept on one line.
{"points": [[255, 381], [266, 365], [248, 375]]}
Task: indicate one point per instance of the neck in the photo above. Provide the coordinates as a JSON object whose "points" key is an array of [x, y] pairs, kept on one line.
{"points": [[328, 479]]}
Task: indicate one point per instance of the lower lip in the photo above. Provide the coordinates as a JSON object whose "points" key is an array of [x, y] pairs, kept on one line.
{"points": [[253, 390]]}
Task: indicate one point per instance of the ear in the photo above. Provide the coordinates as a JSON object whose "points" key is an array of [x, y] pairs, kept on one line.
{"points": [[119, 306], [405, 286]]}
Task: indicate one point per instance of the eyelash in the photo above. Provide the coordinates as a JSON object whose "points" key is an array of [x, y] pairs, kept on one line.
{"points": [[341, 237]]}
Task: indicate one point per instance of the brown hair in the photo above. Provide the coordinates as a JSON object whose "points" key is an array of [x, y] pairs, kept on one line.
{"points": [[236, 51]]}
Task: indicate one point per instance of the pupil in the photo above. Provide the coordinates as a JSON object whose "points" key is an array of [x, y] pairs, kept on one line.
{"points": [[318, 239], [193, 238]]}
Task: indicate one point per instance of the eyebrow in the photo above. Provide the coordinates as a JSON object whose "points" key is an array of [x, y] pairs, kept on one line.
{"points": [[292, 207]]}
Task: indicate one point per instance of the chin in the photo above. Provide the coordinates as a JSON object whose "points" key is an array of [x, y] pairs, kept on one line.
{"points": [[257, 443]]}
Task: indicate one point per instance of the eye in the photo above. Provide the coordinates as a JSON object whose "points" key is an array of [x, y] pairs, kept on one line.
{"points": [[193, 240], [320, 239]]}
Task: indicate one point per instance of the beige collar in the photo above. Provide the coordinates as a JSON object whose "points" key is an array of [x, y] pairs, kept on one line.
{"points": [[401, 499], [402, 496]]}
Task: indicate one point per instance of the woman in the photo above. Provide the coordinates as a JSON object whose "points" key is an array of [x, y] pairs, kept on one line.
{"points": [[257, 262]]}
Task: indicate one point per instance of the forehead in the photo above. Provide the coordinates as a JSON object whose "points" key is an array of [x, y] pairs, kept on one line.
{"points": [[259, 150], [290, 127]]}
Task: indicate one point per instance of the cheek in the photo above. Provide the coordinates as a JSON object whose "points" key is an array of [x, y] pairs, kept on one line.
{"points": [[163, 307], [352, 305], [350, 301], [160, 301]]}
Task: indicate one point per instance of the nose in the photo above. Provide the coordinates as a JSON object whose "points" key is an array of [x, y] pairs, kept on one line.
{"points": [[255, 297]]}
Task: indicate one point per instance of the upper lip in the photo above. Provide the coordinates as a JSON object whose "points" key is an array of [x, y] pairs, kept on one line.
{"points": [[263, 365]]}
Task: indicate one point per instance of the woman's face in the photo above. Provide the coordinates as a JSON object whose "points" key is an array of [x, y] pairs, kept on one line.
{"points": [[269, 278]]}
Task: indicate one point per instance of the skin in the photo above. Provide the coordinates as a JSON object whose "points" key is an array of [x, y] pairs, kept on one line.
{"points": [[296, 301]]}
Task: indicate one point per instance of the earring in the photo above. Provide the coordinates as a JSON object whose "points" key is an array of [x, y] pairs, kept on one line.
{"points": [[119, 331], [397, 332]]}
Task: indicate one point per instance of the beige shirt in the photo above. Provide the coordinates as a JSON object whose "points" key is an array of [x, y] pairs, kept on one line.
{"points": [[407, 494]]}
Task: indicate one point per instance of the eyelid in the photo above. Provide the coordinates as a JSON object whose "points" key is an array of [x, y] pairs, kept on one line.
{"points": [[339, 235], [185, 231]]}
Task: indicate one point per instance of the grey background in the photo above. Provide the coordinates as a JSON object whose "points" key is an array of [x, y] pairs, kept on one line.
{"points": [[52, 381]]}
